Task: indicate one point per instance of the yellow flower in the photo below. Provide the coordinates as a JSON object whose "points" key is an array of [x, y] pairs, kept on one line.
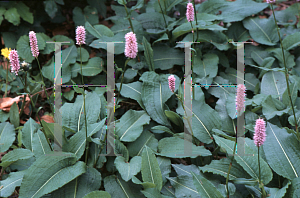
{"points": [[5, 52]]}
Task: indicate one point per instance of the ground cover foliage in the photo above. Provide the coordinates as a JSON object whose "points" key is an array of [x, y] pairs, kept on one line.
{"points": [[149, 117]]}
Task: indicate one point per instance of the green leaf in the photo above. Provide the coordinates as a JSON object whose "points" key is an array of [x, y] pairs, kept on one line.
{"points": [[272, 107], [24, 50], [84, 55], [148, 54], [166, 57], [120, 148], [122, 2], [76, 144], [150, 168], [14, 156], [30, 127], [7, 136], [49, 173], [131, 125], [204, 187], [173, 147], [133, 91], [2, 11], [24, 12], [281, 152], [146, 185], [98, 30], [89, 14], [50, 8], [151, 193], [294, 190], [117, 187], [12, 16], [128, 169], [175, 118], [99, 5], [220, 167], [159, 128], [273, 83], [49, 131], [262, 31], [145, 139], [40, 145], [155, 92], [9, 184], [79, 187], [279, 193], [62, 38], [14, 115], [184, 186], [164, 164], [73, 113], [237, 32], [249, 163], [91, 68], [289, 58], [232, 11], [97, 193], [291, 41], [202, 125]]}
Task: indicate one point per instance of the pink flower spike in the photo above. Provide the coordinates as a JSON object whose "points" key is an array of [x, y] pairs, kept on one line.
{"points": [[260, 132], [80, 35], [131, 45], [190, 12], [240, 98], [172, 83], [33, 44], [14, 61], [270, 1]]}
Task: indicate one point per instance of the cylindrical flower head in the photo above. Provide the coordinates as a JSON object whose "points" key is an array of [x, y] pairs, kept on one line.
{"points": [[240, 97], [14, 61], [80, 35], [190, 12], [33, 44], [260, 132], [172, 82], [131, 45], [270, 1]]}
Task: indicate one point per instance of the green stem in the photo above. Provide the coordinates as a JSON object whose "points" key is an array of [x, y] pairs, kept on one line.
{"points": [[193, 46], [44, 86], [86, 141], [24, 99], [121, 82], [263, 192], [286, 75], [227, 178], [33, 106], [164, 20], [6, 80]]}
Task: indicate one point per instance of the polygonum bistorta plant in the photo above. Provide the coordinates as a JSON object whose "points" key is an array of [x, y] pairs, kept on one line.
{"points": [[33, 44], [131, 45]]}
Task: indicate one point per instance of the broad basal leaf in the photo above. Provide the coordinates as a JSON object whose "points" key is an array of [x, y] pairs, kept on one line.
{"points": [[128, 169], [7, 136]]}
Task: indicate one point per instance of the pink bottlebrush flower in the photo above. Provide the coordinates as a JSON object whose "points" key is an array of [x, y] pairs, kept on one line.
{"points": [[190, 12], [33, 44], [270, 1], [14, 61], [240, 97], [80, 35], [172, 83], [131, 45], [260, 132]]}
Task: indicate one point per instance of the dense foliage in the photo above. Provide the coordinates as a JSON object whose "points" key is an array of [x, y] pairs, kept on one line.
{"points": [[150, 118]]}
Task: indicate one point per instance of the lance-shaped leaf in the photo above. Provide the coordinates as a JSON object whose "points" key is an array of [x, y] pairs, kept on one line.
{"points": [[184, 186], [14, 156], [7, 136], [30, 127], [77, 142], [85, 183], [97, 193], [40, 145], [49, 173], [128, 169], [204, 187], [273, 83], [148, 54], [8, 185], [282, 152], [150, 168], [249, 163], [174, 147], [278, 193], [155, 92], [133, 91], [131, 124]]}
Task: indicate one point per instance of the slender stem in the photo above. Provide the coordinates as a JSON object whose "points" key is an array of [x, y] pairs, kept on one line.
{"points": [[44, 86], [227, 178], [33, 106], [6, 80], [86, 141], [196, 20], [164, 20], [193, 46], [24, 99], [286, 76], [121, 82]]}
